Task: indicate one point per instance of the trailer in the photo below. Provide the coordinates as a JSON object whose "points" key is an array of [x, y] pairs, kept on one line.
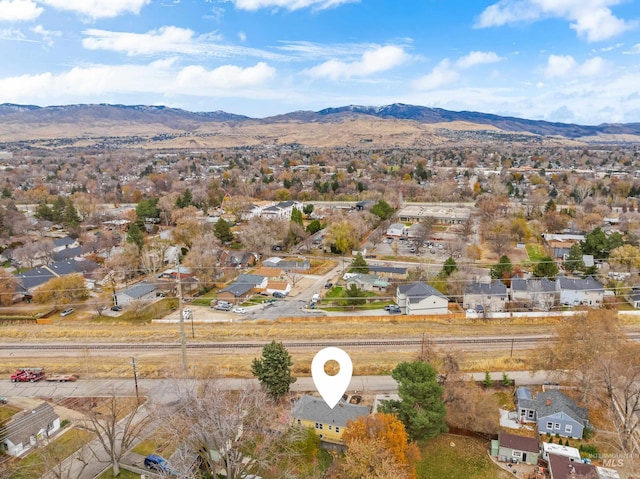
{"points": [[61, 378]]}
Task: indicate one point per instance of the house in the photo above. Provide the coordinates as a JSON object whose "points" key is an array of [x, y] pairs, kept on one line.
{"points": [[420, 298], [142, 291], [67, 242], [329, 424], [281, 210], [633, 297], [562, 467], [397, 230], [235, 292], [367, 282], [257, 281], [297, 264], [271, 273], [485, 297], [552, 449], [580, 291], [512, 447], [27, 428], [237, 259], [391, 272], [553, 412], [538, 293], [278, 287]]}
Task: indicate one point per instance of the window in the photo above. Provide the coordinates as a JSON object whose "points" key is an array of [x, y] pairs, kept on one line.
{"points": [[549, 425], [530, 413], [337, 429], [329, 427], [556, 426], [299, 422], [568, 428], [516, 453], [319, 425]]}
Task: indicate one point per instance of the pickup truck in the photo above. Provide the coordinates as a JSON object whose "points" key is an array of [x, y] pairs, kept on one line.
{"points": [[24, 375]]}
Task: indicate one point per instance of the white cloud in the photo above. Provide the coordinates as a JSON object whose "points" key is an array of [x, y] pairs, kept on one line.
{"points": [[634, 50], [102, 82], [98, 8], [477, 58], [168, 39], [18, 10], [566, 65], [560, 65], [227, 76], [13, 34], [253, 5], [591, 19], [372, 61], [47, 35], [441, 75], [242, 36]]}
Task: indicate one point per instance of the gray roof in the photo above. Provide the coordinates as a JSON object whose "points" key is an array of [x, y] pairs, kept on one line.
{"points": [[34, 277], [539, 285], [579, 284], [66, 241], [139, 290], [418, 291], [67, 253], [557, 403], [495, 288], [254, 279], [25, 424], [238, 289], [314, 409], [388, 269]]}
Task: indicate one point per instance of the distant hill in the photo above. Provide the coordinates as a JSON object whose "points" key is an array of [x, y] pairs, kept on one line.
{"points": [[163, 127]]}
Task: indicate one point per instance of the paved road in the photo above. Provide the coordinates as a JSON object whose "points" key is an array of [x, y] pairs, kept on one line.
{"points": [[162, 391]]}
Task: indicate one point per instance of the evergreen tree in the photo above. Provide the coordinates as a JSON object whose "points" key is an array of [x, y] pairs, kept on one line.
{"points": [[359, 265], [503, 269], [314, 226], [44, 212], [307, 209], [184, 200], [273, 370], [59, 205], [296, 216], [134, 235], [222, 230], [574, 260], [147, 208], [421, 407], [383, 210], [70, 218], [449, 266], [546, 268], [354, 296]]}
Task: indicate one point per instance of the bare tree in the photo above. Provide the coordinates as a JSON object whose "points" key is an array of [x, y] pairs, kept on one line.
{"points": [[117, 423], [229, 432], [56, 462]]}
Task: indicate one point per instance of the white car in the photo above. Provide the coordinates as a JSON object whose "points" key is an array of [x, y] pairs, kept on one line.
{"points": [[67, 312], [239, 310]]}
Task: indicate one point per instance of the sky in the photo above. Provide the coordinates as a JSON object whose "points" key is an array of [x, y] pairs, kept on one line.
{"points": [[571, 61]]}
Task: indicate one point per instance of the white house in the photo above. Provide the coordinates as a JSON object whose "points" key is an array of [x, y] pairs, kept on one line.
{"points": [[486, 297], [580, 291], [27, 428], [281, 210], [397, 230], [420, 298]]}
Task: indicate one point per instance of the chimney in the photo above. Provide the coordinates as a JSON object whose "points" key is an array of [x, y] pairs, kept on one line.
{"points": [[548, 402]]}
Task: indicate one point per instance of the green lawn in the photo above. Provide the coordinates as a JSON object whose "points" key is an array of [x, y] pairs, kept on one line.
{"points": [[457, 457], [124, 474], [535, 252]]}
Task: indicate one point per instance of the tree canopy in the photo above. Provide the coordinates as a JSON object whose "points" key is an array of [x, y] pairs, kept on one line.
{"points": [[383, 210], [359, 265], [421, 407], [503, 269], [273, 370]]}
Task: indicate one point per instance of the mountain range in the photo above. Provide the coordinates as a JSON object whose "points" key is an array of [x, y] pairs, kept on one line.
{"points": [[397, 124]]}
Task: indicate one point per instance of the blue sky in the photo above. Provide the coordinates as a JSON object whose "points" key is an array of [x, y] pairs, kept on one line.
{"points": [[572, 61]]}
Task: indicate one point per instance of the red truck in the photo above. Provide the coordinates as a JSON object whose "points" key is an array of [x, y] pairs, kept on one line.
{"points": [[23, 375]]}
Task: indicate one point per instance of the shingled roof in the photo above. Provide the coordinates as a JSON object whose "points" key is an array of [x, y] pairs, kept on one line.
{"points": [[24, 425], [554, 401], [310, 408]]}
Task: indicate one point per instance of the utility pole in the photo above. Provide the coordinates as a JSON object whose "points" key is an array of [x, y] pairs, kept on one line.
{"points": [[135, 378], [183, 337]]}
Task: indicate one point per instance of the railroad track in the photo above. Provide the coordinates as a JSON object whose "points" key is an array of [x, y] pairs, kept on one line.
{"points": [[366, 343]]}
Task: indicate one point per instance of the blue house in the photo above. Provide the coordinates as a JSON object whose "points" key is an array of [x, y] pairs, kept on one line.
{"points": [[553, 412]]}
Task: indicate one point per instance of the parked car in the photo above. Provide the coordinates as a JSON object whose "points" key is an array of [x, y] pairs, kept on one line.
{"points": [[3, 400], [279, 295], [117, 307], [394, 309], [157, 463], [239, 310], [67, 312], [223, 306], [328, 285]]}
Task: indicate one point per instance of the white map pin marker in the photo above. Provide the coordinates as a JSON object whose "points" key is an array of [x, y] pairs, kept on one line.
{"points": [[331, 388]]}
